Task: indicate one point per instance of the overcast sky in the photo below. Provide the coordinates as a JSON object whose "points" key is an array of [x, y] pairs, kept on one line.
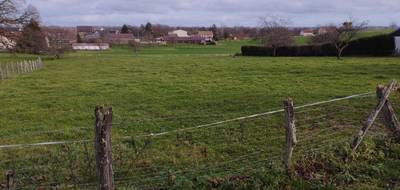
{"points": [[220, 12]]}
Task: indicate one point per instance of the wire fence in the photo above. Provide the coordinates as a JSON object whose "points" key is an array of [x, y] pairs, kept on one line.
{"points": [[230, 149]]}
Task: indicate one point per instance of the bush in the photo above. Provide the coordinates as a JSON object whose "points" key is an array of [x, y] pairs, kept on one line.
{"points": [[373, 46]]}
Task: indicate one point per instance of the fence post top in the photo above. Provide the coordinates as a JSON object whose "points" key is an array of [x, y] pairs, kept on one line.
{"points": [[288, 101], [103, 110], [393, 84], [380, 86], [9, 173]]}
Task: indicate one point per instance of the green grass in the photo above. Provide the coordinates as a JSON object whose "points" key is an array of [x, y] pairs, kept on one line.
{"points": [[375, 32], [222, 47], [302, 40], [166, 88]]}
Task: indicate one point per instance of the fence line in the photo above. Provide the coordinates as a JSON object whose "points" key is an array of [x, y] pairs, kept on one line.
{"points": [[8, 70], [195, 127], [42, 144], [197, 165]]}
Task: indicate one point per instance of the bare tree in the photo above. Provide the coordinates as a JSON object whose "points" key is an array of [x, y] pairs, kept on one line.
{"points": [[14, 14], [340, 36], [58, 44], [275, 32]]}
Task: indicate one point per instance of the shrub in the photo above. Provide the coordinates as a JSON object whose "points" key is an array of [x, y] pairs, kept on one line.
{"points": [[382, 45]]}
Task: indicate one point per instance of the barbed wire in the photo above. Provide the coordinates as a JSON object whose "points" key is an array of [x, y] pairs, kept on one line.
{"points": [[195, 127], [203, 167], [219, 123]]}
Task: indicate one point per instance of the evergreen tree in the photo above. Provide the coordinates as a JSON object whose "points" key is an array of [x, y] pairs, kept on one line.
{"points": [[79, 39], [124, 29], [148, 31], [32, 39], [148, 28], [214, 30]]}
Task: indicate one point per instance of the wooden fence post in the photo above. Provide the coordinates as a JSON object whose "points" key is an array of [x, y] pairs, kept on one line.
{"points": [[102, 145], [372, 117], [291, 139], [10, 180], [1, 72], [389, 115]]}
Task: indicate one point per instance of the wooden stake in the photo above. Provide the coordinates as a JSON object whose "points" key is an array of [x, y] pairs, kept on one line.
{"points": [[389, 115], [1, 72], [372, 117], [291, 139], [102, 145], [10, 180]]}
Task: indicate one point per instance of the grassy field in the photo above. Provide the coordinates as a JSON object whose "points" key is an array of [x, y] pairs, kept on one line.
{"points": [[375, 32], [166, 88], [304, 40]]}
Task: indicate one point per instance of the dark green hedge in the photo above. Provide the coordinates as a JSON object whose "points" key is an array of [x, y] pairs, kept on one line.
{"points": [[373, 46]]}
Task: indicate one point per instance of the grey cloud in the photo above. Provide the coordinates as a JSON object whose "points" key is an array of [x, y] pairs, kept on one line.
{"points": [[207, 12]]}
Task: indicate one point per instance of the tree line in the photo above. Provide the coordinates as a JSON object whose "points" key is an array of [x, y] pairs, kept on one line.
{"points": [[275, 33]]}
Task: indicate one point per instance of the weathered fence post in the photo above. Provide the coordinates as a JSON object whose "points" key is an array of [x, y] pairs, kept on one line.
{"points": [[372, 117], [102, 145], [10, 180], [1, 72], [29, 66], [291, 139], [389, 115]]}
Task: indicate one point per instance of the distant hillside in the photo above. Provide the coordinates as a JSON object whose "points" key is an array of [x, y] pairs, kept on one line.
{"points": [[375, 32]]}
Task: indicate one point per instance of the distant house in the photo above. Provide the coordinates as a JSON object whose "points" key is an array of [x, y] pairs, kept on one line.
{"points": [[118, 38], [90, 46], [61, 37], [86, 29], [88, 34], [194, 39], [92, 37], [324, 30], [396, 36], [179, 33], [61, 33], [307, 32], [206, 34]]}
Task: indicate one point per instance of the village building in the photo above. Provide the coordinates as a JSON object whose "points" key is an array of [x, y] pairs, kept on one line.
{"points": [[181, 36], [88, 34], [396, 36], [118, 38], [206, 34], [60, 36], [91, 46], [85, 29], [307, 33], [324, 30], [179, 33], [397, 42], [92, 37]]}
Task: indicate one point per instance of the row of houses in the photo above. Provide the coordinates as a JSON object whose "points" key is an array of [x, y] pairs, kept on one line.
{"points": [[313, 32], [92, 38], [90, 34], [182, 36]]}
